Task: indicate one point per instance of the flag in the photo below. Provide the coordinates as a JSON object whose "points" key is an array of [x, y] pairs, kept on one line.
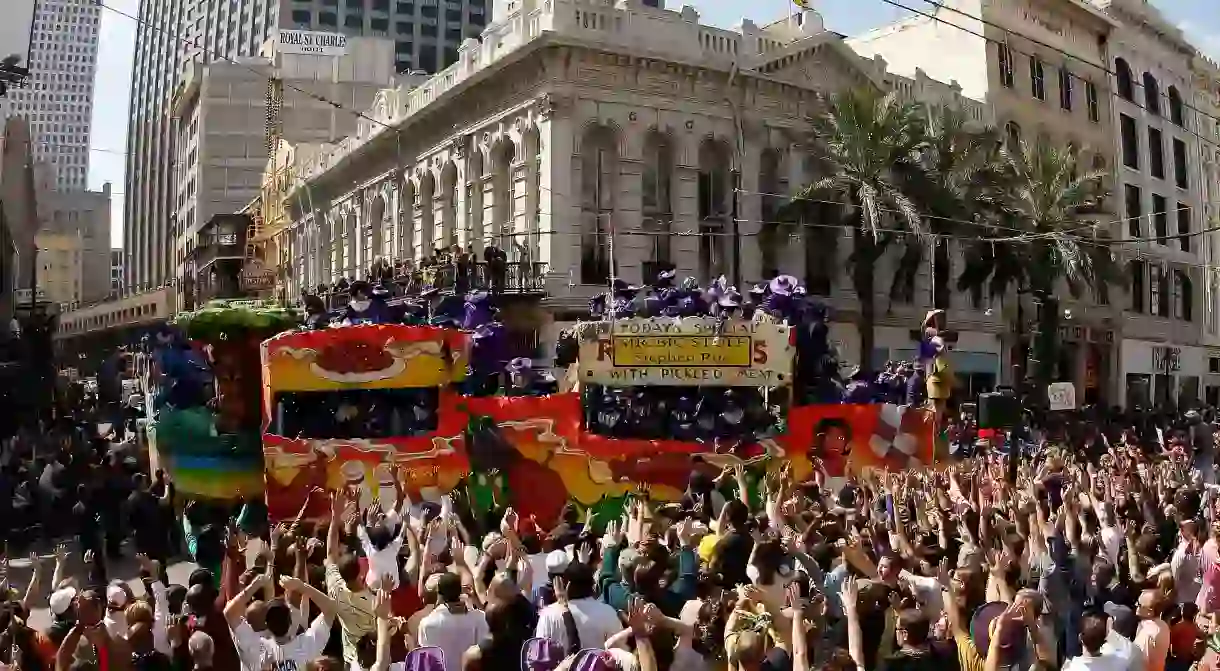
{"points": [[803, 4]]}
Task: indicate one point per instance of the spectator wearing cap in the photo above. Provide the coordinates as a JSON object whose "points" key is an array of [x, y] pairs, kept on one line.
{"points": [[556, 564], [118, 595], [1120, 639], [63, 616]]}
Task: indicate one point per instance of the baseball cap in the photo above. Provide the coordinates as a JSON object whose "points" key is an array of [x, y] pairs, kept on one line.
{"points": [[61, 600], [556, 561], [116, 596], [1123, 619]]}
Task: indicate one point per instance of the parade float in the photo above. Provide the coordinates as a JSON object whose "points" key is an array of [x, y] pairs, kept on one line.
{"points": [[358, 406], [205, 396]]}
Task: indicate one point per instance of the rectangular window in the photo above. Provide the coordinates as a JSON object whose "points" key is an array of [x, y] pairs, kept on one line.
{"points": [[1006, 77], [453, 15], [1154, 290], [427, 58], [1137, 286], [1179, 163], [427, 30], [451, 56], [453, 34], [303, 16], [1065, 89], [353, 21], [1162, 289], [1130, 140], [1134, 207], [428, 11], [1160, 218], [405, 27], [382, 25], [405, 8], [1037, 78], [1184, 226], [381, 5], [403, 47], [1156, 153]]}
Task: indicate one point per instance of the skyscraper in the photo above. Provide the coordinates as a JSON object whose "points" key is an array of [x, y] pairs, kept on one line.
{"points": [[174, 32], [58, 97]]}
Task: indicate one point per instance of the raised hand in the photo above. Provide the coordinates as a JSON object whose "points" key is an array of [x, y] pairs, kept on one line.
{"points": [[509, 523], [561, 590], [381, 603]]}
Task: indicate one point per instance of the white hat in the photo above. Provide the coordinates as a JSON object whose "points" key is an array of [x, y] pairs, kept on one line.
{"points": [[556, 561], [116, 596], [61, 600]]}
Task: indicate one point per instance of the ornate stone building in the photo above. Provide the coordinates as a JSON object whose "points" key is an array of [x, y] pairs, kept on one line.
{"points": [[584, 136]]}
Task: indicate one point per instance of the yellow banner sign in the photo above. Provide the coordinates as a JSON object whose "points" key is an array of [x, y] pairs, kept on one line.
{"points": [[689, 352]]}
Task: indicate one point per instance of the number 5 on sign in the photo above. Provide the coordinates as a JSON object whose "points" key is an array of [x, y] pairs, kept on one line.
{"points": [[1061, 396]]}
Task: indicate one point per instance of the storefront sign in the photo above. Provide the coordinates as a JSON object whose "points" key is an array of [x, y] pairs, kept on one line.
{"points": [[257, 277], [1061, 396], [310, 42], [690, 352]]}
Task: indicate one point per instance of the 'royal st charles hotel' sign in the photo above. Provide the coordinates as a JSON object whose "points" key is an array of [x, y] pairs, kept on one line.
{"points": [[689, 352], [310, 42]]}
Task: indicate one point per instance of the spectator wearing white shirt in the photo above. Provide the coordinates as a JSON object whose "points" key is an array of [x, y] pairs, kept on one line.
{"points": [[595, 620], [285, 651], [381, 544], [453, 626]]}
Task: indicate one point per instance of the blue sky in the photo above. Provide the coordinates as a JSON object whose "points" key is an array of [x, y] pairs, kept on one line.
{"points": [[846, 16]]}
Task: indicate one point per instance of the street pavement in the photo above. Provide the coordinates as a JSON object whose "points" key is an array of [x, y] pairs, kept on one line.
{"points": [[127, 568]]}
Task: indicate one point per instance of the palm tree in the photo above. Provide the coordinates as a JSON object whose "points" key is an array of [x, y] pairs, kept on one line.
{"points": [[961, 172], [1043, 236], [867, 144]]}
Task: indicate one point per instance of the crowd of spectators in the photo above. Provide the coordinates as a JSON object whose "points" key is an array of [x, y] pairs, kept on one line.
{"points": [[1104, 559]]}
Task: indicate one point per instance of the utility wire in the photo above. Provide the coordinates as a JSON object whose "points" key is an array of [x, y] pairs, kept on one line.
{"points": [[1103, 68], [219, 57], [1102, 88]]}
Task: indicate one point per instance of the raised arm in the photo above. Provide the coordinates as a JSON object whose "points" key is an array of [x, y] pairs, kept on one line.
{"points": [[321, 600], [235, 609], [333, 549]]}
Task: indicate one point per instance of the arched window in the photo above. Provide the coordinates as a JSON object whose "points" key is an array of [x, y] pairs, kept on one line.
{"points": [[1184, 296], [404, 241], [448, 194], [657, 200], [1175, 106], [598, 165], [1126, 84], [1152, 94], [715, 165], [1012, 130], [427, 215]]}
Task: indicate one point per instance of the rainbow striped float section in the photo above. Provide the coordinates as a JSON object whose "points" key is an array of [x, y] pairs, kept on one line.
{"points": [[202, 463]]}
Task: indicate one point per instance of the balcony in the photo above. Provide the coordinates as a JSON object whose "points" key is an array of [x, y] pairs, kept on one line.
{"points": [[207, 255], [518, 279]]}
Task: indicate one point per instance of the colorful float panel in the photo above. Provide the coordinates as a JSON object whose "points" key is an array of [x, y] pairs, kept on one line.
{"points": [[205, 464], [696, 351], [371, 356], [531, 452], [426, 466]]}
